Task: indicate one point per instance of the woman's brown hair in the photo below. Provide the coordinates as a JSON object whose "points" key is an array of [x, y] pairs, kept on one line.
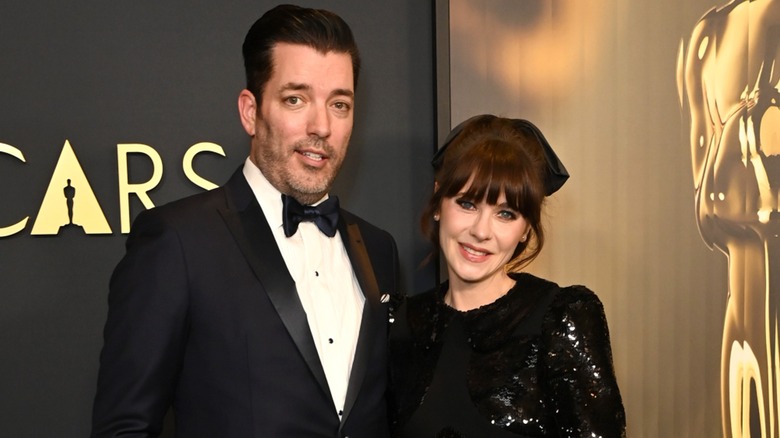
{"points": [[494, 155]]}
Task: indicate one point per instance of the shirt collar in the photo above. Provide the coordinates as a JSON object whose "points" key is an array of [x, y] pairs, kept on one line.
{"points": [[267, 195]]}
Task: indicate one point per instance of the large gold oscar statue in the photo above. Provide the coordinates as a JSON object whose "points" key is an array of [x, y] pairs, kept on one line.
{"points": [[729, 77]]}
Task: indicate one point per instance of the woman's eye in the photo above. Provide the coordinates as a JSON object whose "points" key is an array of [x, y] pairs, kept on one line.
{"points": [[465, 204], [507, 215]]}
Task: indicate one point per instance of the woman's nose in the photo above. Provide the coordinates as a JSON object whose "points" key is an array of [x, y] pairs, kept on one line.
{"points": [[481, 227]]}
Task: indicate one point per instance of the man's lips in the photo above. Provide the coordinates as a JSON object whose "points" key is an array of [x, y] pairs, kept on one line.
{"points": [[313, 158]]}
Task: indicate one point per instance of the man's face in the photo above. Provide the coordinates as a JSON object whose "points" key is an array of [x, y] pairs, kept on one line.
{"points": [[304, 121]]}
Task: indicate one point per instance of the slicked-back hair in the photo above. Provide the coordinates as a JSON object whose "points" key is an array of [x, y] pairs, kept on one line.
{"points": [[319, 29]]}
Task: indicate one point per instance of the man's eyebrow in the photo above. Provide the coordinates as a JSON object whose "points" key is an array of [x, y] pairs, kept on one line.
{"points": [[294, 86], [343, 92]]}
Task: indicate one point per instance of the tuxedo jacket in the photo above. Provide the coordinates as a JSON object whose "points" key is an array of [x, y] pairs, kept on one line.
{"points": [[204, 316]]}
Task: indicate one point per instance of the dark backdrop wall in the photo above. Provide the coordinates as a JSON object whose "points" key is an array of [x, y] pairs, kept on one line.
{"points": [[104, 75]]}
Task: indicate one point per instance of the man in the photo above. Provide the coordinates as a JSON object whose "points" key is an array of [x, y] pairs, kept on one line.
{"points": [[248, 326]]}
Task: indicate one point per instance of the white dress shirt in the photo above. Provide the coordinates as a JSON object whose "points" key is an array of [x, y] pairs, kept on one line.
{"points": [[326, 284]]}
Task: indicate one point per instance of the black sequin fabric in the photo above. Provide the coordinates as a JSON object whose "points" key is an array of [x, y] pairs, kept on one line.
{"points": [[538, 363]]}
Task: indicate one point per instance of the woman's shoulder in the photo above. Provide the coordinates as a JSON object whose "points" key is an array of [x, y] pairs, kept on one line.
{"points": [[576, 296], [426, 299], [564, 295], [576, 308], [417, 316], [565, 302]]}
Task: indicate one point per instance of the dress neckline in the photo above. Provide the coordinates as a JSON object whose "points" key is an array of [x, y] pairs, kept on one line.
{"points": [[485, 308], [493, 324]]}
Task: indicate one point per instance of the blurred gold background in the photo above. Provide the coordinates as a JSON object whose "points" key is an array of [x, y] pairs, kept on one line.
{"points": [[667, 140]]}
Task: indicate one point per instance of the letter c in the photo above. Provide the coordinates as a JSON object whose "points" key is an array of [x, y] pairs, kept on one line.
{"points": [[19, 226]]}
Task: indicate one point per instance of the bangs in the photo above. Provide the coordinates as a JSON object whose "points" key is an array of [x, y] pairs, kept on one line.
{"points": [[481, 160], [492, 168]]}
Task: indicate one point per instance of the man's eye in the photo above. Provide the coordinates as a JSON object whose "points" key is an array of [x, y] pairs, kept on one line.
{"points": [[293, 100], [342, 106]]}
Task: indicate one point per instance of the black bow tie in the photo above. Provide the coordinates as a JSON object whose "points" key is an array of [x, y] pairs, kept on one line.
{"points": [[325, 215]]}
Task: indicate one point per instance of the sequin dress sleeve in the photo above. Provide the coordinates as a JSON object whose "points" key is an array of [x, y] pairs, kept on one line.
{"points": [[577, 366]]}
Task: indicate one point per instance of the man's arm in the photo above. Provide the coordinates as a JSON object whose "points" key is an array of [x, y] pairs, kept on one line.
{"points": [[145, 333]]}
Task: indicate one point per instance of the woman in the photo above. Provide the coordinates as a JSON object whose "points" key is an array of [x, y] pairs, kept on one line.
{"points": [[493, 351]]}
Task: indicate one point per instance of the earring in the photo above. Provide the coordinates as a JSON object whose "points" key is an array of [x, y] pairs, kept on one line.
{"points": [[436, 217], [523, 238]]}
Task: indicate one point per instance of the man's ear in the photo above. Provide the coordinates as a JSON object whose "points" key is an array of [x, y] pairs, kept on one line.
{"points": [[247, 111]]}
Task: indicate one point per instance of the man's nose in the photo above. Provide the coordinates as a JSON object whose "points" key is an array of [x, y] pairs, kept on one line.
{"points": [[319, 121]]}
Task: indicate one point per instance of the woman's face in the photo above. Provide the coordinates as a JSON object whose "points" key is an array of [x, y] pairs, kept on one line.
{"points": [[478, 239]]}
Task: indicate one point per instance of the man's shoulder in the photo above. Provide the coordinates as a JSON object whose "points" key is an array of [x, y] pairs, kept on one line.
{"points": [[195, 205], [365, 226], [184, 212], [192, 204]]}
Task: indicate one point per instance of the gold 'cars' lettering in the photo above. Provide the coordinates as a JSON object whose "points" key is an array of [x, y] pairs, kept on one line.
{"points": [[70, 203]]}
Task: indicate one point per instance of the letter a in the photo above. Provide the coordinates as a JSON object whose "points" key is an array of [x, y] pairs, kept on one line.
{"points": [[69, 200]]}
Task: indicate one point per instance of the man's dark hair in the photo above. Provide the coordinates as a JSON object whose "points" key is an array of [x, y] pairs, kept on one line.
{"points": [[319, 29]]}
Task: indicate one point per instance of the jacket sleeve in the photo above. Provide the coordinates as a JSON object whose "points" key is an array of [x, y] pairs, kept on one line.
{"points": [[144, 334], [579, 374]]}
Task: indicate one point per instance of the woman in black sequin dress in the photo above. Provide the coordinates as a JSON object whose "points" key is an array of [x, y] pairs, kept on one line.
{"points": [[494, 352]]}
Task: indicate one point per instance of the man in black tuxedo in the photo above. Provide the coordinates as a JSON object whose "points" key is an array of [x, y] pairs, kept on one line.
{"points": [[248, 324]]}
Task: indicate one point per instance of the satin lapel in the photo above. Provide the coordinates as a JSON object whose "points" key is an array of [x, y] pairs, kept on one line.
{"points": [[361, 264], [254, 238]]}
